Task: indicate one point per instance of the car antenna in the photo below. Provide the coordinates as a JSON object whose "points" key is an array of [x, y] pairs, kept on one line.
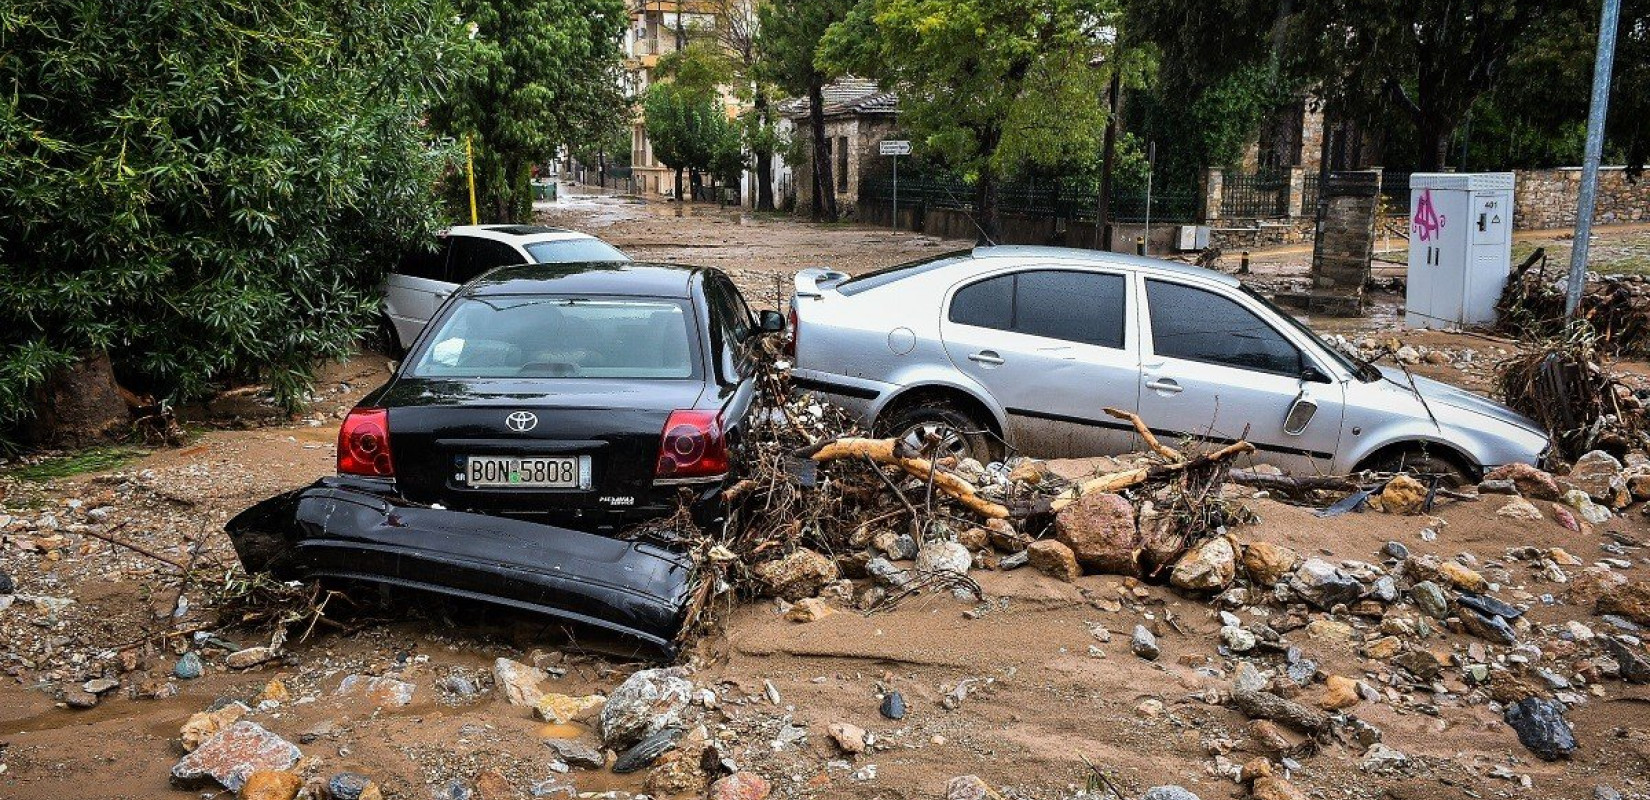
{"points": [[983, 236]]}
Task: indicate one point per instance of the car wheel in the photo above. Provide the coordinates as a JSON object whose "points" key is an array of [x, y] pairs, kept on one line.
{"points": [[389, 340], [1420, 461], [953, 432]]}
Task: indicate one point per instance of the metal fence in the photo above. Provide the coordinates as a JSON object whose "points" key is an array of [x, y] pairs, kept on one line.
{"points": [[1258, 194], [1395, 192], [1045, 199], [1309, 194]]}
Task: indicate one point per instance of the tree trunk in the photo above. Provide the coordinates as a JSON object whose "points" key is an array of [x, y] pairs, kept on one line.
{"points": [[696, 181], [824, 209], [678, 184], [764, 158], [985, 208], [1433, 135], [79, 405], [601, 168], [1108, 152]]}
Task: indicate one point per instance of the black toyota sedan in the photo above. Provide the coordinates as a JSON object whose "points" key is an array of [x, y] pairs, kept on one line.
{"points": [[543, 410]]}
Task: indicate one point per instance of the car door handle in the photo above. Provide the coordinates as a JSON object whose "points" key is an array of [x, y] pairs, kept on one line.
{"points": [[986, 357], [1164, 385]]}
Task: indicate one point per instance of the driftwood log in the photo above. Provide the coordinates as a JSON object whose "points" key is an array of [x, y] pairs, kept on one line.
{"points": [[891, 453]]}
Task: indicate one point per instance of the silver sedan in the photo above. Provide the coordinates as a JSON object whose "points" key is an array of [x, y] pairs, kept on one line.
{"points": [[1022, 347]]}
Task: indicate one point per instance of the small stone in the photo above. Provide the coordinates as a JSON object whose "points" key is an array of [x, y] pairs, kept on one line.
{"points": [[203, 725], [1168, 793], [1384, 648], [809, 609], [100, 685], [1599, 475], [939, 557], [1590, 511], [348, 786], [1267, 563], [1520, 509], [268, 784], [7, 585], [1631, 601], [850, 738], [381, 690], [517, 682], [250, 657], [1339, 693], [1324, 585], [970, 787], [576, 753], [740, 786], [893, 705], [1013, 561], [647, 750], [1542, 728], [1382, 759], [1430, 599], [1274, 787], [1420, 663], [1531, 482], [1462, 578], [1486, 604], [1329, 630], [561, 709], [1395, 550], [232, 755], [79, 698], [1053, 559], [1208, 567], [1144, 644], [1487, 627], [189, 667], [1237, 640], [974, 539], [796, 575]]}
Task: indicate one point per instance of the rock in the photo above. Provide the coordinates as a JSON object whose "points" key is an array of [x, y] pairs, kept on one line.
{"points": [[76, 697], [885, 573], [944, 557], [1208, 567], [203, 725], [1564, 516], [1592, 584], [893, 705], [686, 770], [492, 785], [274, 692], [1397, 551], [970, 787], [796, 575], [1265, 705], [7, 585], [1273, 787], [382, 690], [1267, 563], [1583, 504], [1385, 590], [1519, 508], [1487, 627], [268, 784], [232, 755], [100, 685], [250, 657], [1268, 738], [1016, 561], [1004, 537], [1329, 629], [647, 750], [1488, 605], [577, 754], [1630, 600], [1531, 482], [1054, 559], [517, 682], [1634, 667], [1430, 599], [1382, 759], [1339, 693], [647, 702], [561, 709], [1101, 532], [1403, 495], [1487, 486], [850, 738], [1462, 578], [1144, 644], [348, 786], [809, 609], [1542, 728], [189, 667], [1384, 648], [974, 539], [1599, 475], [1639, 486], [1237, 640], [1168, 793], [740, 786], [1420, 663], [1324, 585]]}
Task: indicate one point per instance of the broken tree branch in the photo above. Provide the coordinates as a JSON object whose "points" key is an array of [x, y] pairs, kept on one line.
{"points": [[883, 451], [1146, 434], [136, 548]]}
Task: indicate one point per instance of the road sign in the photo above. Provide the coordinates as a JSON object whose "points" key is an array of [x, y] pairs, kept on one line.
{"points": [[896, 147]]}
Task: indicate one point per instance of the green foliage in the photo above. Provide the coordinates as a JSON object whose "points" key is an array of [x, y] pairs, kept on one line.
{"points": [[93, 459], [1210, 127], [993, 84], [788, 41], [540, 73], [208, 190], [690, 129]]}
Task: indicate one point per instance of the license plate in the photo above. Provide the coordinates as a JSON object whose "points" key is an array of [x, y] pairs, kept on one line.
{"points": [[538, 472]]}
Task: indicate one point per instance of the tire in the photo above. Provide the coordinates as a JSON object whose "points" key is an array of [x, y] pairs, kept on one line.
{"points": [[1424, 461], [960, 434], [389, 339]]}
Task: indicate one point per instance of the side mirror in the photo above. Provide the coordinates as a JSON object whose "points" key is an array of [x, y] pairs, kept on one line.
{"points": [[1311, 374], [770, 322], [1300, 415]]}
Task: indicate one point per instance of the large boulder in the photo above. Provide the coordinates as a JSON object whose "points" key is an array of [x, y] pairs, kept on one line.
{"points": [[232, 755], [796, 575], [646, 703], [1630, 600], [1100, 529], [1208, 567], [1599, 475]]}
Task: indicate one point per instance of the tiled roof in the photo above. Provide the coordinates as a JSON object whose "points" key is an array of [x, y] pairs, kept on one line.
{"points": [[846, 96]]}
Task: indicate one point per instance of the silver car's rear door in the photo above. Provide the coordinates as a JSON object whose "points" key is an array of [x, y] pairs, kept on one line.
{"points": [[1212, 365], [416, 288], [1054, 346]]}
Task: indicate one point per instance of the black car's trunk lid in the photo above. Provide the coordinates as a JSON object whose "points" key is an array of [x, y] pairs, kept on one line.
{"points": [[438, 425]]}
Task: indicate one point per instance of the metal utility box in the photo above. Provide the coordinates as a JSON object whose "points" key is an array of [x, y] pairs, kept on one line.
{"points": [[1460, 247], [1192, 237]]}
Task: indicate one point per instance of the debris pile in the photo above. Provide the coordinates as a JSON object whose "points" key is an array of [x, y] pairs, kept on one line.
{"points": [[1563, 384], [1617, 306]]}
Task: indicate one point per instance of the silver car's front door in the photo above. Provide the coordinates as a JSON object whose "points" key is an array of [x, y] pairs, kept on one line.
{"points": [[1212, 367], [1053, 346]]}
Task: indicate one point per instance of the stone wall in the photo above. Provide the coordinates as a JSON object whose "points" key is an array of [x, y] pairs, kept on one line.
{"points": [[1546, 198], [1235, 236], [864, 135]]}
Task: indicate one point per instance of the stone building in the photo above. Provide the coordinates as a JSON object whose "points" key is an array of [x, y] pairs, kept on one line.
{"points": [[858, 116]]}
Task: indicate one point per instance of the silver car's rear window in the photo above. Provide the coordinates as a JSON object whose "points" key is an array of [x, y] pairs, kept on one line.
{"points": [[547, 336], [883, 277], [569, 251]]}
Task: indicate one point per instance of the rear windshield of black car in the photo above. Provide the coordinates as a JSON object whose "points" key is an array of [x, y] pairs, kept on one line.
{"points": [[883, 277], [553, 336]]}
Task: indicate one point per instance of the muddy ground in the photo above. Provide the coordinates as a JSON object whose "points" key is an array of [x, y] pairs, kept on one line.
{"points": [[1054, 683]]}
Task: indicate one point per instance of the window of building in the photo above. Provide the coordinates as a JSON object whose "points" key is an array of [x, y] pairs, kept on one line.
{"points": [[842, 163]]}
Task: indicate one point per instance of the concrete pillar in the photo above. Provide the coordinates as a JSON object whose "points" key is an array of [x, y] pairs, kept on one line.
{"points": [[1297, 192], [1212, 187]]}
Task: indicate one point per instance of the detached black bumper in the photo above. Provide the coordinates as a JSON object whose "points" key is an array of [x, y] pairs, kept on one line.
{"points": [[329, 530]]}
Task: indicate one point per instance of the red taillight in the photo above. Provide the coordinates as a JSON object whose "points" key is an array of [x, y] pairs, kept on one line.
{"points": [[692, 446], [364, 443], [790, 344]]}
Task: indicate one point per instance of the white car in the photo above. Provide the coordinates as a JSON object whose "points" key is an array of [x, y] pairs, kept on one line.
{"points": [[1025, 346], [423, 280]]}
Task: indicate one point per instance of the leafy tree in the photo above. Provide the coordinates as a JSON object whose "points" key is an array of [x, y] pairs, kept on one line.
{"points": [[543, 73], [737, 26], [199, 192], [691, 132], [789, 43], [992, 84]]}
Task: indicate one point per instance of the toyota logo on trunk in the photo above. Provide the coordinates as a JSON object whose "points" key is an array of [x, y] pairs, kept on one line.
{"points": [[522, 421]]}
